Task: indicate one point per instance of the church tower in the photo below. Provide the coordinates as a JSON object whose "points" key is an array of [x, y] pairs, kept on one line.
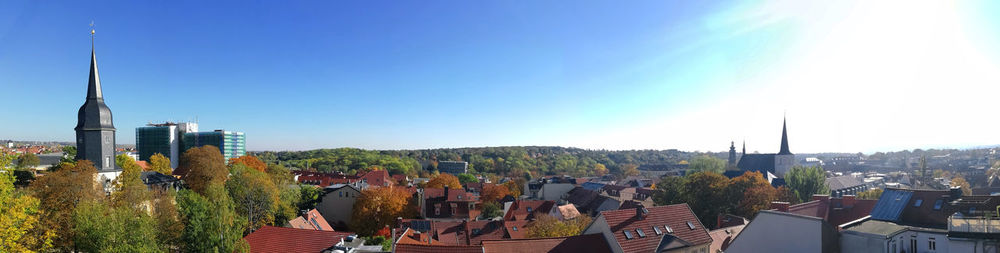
{"points": [[95, 133], [784, 160], [732, 154]]}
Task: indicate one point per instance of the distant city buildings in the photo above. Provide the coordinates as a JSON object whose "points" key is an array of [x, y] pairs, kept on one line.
{"points": [[231, 144], [453, 167], [172, 139]]}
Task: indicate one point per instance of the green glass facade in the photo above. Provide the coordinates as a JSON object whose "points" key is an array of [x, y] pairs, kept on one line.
{"points": [[154, 139], [231, 144]]}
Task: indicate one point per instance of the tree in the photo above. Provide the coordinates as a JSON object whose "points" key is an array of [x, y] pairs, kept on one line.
{"points": [[378, 207], [203, 166], [870, 194], [59, 193], [69, 153], [600, 170], [670, 191], [784, 194], [210, 223], [249, 161], [129, 191], [19, 217], [706, 195], [806, 181], [254, 195], [514, 187], [168, 223], [104, 228], [959, 181], [751, 193], [491, 210], [707, 163], [27, 160], [630, 170], [442, 180], [548, 226], [492, 192], [466, 178], [160, 163], [308, 196]]}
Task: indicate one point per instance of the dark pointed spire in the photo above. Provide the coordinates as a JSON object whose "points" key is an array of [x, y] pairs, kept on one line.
{"points": [[744, 147], [94, 87], [784, 138]]}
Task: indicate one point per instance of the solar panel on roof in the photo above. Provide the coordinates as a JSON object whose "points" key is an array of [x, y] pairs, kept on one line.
{"points": [[890, 205]]}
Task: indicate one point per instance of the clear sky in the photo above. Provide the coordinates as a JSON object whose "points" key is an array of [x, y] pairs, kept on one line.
{"points": [[850, 76]]}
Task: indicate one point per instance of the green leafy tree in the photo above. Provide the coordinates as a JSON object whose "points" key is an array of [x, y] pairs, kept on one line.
{"points": [[129, 191], [160, 163], [708, 163], [254, 195], [466, 178], [69, 153], [28, 160], [806, 181], [630, 170], [104, 228], [19, 217], [308, 196], [210, 222], [870, 194], [168, 221], [547, 226], [491, 209], [706, 195], [60, 192], [669, 191], [203, 166]]}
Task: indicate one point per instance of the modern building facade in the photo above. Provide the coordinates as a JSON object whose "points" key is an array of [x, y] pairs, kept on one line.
{"points": [[162, 138], [453, 167], [232, 144]]}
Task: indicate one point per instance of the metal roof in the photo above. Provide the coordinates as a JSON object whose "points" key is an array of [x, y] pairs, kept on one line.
{"points": [[592, 186], [891, 205]]}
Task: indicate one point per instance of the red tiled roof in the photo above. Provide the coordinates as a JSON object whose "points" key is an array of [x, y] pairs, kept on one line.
{"points": [[580, 243], [324, 179], [836, 211], [721, 238], [312, 220], [279, 239], [413, 248], [142, 164], [519, 209], [676, 216], [815, 208], [488, 230], [454, 195], [377, 178], [516, 229]]}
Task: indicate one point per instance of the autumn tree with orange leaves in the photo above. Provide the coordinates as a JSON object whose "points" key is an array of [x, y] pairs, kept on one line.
{"points": [[492, 192], [442, 180], [378, 207], [250, 161]]}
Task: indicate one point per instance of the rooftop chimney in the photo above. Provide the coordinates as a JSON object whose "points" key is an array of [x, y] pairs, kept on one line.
{"points": [[446, 192], [641, 213], [780, 206]]}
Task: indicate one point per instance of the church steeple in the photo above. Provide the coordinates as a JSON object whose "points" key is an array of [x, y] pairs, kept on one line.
{"points": [[784, 138], [94, 86], [95, 130]]}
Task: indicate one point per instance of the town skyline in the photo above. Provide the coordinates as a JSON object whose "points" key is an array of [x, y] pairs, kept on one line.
{"points": [[321, 99]]}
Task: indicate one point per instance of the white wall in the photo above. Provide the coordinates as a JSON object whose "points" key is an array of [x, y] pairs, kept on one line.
{"points": [[861, 243], [779, 232], [336, 207], [554, 192]]}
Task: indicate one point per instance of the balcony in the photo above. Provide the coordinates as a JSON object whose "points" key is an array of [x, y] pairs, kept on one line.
{"points": [[982, 224]]}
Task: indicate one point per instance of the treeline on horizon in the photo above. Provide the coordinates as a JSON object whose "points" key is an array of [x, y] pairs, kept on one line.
{"points": [[513, 160]]}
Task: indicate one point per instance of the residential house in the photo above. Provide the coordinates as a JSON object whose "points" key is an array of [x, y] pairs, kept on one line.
{"points": [[564, 212], [325, 179], [524, 210], [310, 220], [728, 227], [278, 239], [773, 231], [672, 228], [464, 232], [845, 185], [834, 210], [447, 203], [591, 202], [157, 181], [337, 204], [375, 178]]}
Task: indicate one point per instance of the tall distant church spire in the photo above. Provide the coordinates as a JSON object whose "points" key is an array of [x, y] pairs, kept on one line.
{"points": [[95, 132], [784, 138]]}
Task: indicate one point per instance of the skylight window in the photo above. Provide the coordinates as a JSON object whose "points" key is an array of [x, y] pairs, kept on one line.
{"points": [[669, 230], [937, 204], [514, 228], [628, 235], [690, 225], [918, 202], [529, 209], [657, 230], [639, 231]]}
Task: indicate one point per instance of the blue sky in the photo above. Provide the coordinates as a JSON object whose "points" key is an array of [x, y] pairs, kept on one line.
{"points": [[851, 76]]}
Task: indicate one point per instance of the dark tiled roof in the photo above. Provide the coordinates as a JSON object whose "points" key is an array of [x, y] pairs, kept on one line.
{"points": [[757, 162], [155, 178], [890, 205], [592, 186], [278, 239], [580, 243], [676, 216], [519, 209], [843, 182]]}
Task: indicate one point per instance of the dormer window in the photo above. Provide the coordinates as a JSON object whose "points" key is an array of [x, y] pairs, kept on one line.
{"points": [[690, 225], [628, 235]]}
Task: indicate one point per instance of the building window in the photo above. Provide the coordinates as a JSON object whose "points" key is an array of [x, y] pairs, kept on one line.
{"points": [[454, 208], [690, 225], [931, 244], [529, 209], [514, 228], [437, 209], [657, 230], [937, 204], [639, 231], [669, 230], [107, 161], [628, 235], [918, 202], [341, 194]]}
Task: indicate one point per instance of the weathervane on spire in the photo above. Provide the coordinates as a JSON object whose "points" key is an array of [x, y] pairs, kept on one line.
{"points": [[92, 31]]}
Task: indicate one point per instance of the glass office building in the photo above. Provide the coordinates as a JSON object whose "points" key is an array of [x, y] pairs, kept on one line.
{"points": [[231, 144], [153, 139]]}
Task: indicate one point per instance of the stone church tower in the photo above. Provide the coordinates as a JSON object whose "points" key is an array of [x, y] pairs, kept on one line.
{"points": [[784, 160], [95, 133]]}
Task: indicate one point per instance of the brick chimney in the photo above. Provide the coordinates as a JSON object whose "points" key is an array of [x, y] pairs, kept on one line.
{"points": [[848, 200], [780, 206], [641, 213], [446, 192]]}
